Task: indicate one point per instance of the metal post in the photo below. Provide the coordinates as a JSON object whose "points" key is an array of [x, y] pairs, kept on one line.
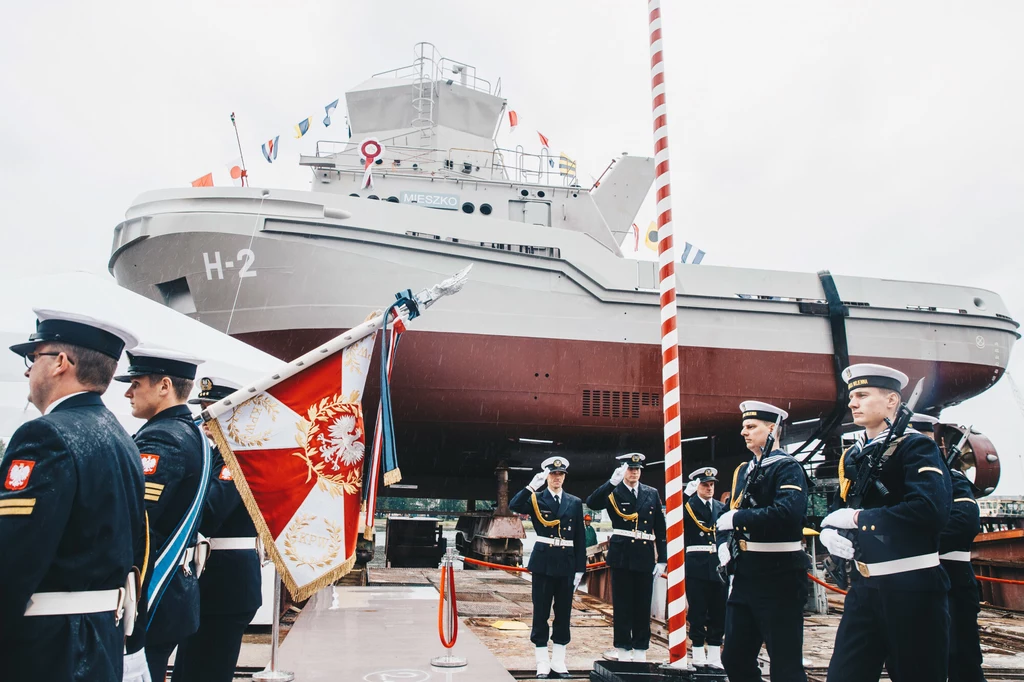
{"points": [[273, 674], [501, 508]]}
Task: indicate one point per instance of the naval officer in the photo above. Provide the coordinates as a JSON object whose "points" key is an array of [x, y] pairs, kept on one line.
{"points": [[557, 562], [896, 611], [636, 553], [769, 574], [230, 591], [72, 520], [955, 557], [171, 446], [706, 592]]}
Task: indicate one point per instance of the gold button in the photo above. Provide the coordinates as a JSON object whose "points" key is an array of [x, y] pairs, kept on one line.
{"points": [[872, 527], [632, 540], [863, 527]]}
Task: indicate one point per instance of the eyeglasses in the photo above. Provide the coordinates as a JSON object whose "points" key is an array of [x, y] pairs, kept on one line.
{"points": [[30, 358]]}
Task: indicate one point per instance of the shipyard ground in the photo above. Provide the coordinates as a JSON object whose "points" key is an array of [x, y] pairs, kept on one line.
{"points": [[387, 630]]}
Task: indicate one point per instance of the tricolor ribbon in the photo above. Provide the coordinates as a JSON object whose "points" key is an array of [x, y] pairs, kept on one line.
{"points": [[378, 438]]}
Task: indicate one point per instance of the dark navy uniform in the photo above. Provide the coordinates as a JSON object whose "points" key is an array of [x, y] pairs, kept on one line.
{"points": [[553, 566], [230, 586], [769, 584], [71, 520], [706, 592], [172, 458], [632, 559], [955, 557], [898, 619]]}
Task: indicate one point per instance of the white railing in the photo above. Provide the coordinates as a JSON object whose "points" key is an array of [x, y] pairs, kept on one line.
{"points": [[428, 63]]}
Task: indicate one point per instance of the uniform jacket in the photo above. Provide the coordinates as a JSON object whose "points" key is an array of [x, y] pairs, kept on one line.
{"points": [[567, 520], [231, 581], [779, 505], [77, 473], [908, 521], [631, 553], [172, 459], [699, 531], [958, 535]]}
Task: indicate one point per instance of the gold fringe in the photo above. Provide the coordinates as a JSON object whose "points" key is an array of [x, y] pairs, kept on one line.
{"points": [[368, 533], [628, 517], [298, 593], [393, 476], [362, 517]]}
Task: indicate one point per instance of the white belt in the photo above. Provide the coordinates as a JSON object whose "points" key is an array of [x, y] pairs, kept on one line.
{"points": [[554, 542], [233, 543], [956, 556], [635, 534], [748, 546], [914, 563], [710, 549], [69, 603]]}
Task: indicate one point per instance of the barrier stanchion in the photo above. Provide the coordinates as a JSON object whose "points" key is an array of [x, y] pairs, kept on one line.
{"points": [[272, 674], [448, 615]]}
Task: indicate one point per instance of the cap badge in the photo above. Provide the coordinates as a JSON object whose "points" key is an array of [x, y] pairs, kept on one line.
{"points": [[206, 384], [557, 463]]}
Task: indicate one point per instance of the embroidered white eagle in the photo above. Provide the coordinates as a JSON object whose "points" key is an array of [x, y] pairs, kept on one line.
{"points": [[342, 446]]}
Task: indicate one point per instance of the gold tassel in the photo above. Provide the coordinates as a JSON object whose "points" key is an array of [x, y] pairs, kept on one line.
{"points": [[393, 476]]}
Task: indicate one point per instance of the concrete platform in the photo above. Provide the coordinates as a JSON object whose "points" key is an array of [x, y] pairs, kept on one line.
{"points": [[379, 634]]}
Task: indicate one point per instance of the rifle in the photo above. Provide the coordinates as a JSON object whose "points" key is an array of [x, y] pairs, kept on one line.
{"points": [[867, 482], [747, 500], [958, 449]]}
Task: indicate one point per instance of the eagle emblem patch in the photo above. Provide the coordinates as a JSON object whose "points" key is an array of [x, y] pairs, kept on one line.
{"points": [[225, 473], [149, 463], [18, 474]]}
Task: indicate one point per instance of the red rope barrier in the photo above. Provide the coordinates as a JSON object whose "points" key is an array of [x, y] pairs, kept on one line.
{"points": [[999, 580], [447, 579], [826, 585], [503, 567]]}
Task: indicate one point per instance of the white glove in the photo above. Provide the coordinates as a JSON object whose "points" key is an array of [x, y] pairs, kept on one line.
{"points": [[841, 518], [618, 475], [725, 520], [836, 544], [577, 579], [659, 569], [538, 481], [690, 488], [724, 555]]}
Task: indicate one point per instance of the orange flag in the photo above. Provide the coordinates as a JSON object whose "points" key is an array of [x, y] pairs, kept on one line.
{"points": [[205, 181]]}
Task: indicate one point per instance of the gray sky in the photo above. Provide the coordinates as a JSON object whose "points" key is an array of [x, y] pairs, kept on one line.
{"points": [[872, 138]]}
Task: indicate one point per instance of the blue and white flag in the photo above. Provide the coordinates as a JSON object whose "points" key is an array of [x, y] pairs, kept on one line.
{"points": [[328, 109], [686, 253], [270, 149]]}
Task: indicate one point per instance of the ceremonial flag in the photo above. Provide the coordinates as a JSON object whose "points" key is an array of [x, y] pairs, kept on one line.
{"points": [[302, 127], [328, 109], [270, 149], [205, 181], [513, 120], [543, 140], [651, 237], [566, 166]]}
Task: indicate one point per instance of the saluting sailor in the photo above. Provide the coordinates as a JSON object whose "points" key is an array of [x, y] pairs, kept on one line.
{"points": [[171, 446], [896, 612], [769, 576], [955, 557], [636, 553], [706, 592], [72, 520], [230, 586], [557, 562]]}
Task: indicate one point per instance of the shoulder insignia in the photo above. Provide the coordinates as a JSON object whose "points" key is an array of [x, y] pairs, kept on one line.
{"points": [[225, 473], [933, 469], [18, 474], [154, 491], [149, 463], [17, 507]]}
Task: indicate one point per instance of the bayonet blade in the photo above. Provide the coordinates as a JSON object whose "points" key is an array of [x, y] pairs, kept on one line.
{"points": [[916, 395]]}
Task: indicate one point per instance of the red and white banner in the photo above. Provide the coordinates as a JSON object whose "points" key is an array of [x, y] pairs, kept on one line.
{"points": [[295, 451]]}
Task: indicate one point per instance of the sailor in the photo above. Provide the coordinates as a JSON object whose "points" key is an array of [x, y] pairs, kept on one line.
{"points": [[171, 446], [761, 535], [955, 557], [895, 612], [636, 553], [72, 520], [557, 562], [230, 586], [706, 592]]}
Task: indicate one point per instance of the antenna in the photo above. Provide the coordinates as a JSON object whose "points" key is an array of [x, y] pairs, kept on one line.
{"points": [[245, 174]]}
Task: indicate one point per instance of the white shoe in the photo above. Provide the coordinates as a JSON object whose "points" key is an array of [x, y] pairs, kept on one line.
{"points": [[558, 661], [699, 657], [624, 654], [715, 657], [640, 655], [543, 666]]}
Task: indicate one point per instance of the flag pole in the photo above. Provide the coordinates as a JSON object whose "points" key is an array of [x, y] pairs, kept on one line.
{"points": [[676, 598], [245, 173], [272, 674]]}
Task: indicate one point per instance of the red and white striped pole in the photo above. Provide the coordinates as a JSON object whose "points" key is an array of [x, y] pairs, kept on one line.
{"points": [[669, 351]]}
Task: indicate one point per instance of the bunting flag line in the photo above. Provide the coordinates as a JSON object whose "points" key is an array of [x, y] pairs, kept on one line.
{"points": [[636, 238], [651, 237], [205, 181], [328, 109], [302, 127], [270, 149], [543, 140], [237, 173], [686, 252], [513, 120], [566, 166]]}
